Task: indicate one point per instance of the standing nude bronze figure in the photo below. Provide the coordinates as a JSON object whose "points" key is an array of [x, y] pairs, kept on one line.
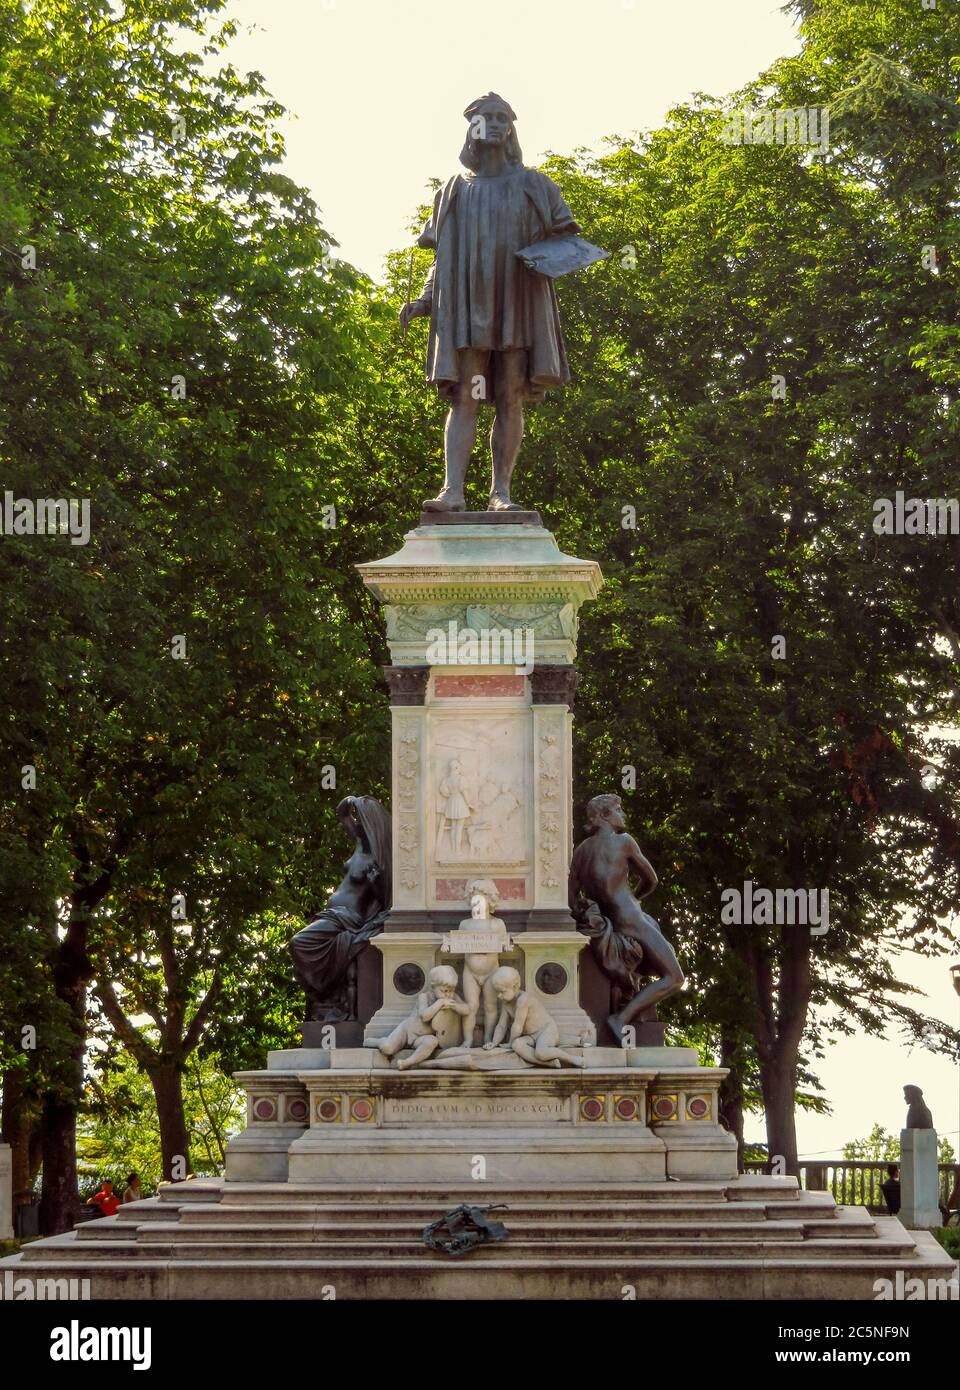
{"points": [[626, 940], [495, 334]]}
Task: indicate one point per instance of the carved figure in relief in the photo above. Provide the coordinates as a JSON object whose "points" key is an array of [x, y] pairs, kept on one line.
{"points": [[532, 1033], [479, 828], [453, 808], [435, 1023], [504, 808], [492, 831]]}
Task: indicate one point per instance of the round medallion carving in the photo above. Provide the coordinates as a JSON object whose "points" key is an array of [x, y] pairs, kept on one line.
{"points": [[664, 1108], [408, 978], [551, 978]]}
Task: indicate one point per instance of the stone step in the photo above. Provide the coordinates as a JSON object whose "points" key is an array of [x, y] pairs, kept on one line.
{"points": [[425, 1277], [764, 1189], [519, 1248], [375, 1213], [393, 1222], [184, 1232], [155, 1209], [107, 1228]]}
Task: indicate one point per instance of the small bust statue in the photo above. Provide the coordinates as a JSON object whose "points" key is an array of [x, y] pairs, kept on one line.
{"points": [[918, 1115]]}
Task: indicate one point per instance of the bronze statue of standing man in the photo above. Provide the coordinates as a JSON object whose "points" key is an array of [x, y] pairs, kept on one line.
{"points": [[495, 334]]}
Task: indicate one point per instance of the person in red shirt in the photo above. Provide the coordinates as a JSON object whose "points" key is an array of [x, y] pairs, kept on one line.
{"points": [[106, 1199]]}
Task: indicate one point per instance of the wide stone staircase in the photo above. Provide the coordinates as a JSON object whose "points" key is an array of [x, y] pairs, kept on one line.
{"points": [[752, 1238]]}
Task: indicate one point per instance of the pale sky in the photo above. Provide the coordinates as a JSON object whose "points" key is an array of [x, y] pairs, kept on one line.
{"points": [[379, 86], [376, 89]]}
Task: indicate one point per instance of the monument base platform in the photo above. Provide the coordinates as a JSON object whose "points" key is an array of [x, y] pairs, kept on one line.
{"points": [[750, 1238], [347, 1115]]}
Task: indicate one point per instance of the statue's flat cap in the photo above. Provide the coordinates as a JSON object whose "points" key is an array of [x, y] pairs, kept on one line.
{"points": [[474, 106]]}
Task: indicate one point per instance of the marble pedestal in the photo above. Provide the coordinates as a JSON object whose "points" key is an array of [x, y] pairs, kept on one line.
{"points": [[547, 962], [481, 719], [919, 1179], [641, 1114], [481, 621]]}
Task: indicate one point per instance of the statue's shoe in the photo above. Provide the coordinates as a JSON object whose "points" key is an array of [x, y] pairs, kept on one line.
{"points": [[445, 501], [498, 502]]}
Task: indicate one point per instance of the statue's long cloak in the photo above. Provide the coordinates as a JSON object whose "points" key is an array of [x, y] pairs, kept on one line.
{"points": [[481, 295]]}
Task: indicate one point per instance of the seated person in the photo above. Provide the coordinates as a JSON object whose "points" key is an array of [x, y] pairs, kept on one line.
{"points": [[106, 1199]]}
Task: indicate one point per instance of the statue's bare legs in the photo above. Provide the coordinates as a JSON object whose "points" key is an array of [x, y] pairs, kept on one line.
{"points": [[423, 1044], [423, 1048], [659, 956], [542, 1051], [507, 432], [460, 431]]}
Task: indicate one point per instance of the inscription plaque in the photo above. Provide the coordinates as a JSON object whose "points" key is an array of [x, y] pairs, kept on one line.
{"points": [[468, 1110]]}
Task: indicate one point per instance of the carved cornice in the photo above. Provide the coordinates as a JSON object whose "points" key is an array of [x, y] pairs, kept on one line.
{"points": [[418, 589]]}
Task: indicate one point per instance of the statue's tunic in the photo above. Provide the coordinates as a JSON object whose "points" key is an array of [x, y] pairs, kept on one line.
{"points": [[481, 295]]}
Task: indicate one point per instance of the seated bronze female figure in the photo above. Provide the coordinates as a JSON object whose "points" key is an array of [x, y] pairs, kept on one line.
{"points": [[325, 950]]}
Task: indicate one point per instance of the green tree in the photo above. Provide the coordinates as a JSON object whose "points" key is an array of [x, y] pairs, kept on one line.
{"points": [[733, 266], [178, 356], [119, 1132]]}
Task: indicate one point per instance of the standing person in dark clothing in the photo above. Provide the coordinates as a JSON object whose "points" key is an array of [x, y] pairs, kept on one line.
{"points": [[495, 334], [891, 1189]]}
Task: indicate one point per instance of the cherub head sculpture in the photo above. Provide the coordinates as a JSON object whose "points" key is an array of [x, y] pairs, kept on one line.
{"points": [[483, 897]]}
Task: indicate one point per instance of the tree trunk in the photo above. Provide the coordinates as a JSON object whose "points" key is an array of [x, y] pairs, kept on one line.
{"points": [[731, 1093], [776, 1021], [59, 1200], [167, 1081], [778, 1080], [59, 1196], [20, 1130], [72, 972]]}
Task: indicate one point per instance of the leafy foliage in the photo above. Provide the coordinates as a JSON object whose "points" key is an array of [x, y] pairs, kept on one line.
{"points": [[119, 1131], [168, 245]]}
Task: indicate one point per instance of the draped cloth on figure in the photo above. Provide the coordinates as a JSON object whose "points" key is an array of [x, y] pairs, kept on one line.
{"points": [[619, 956], [482, 296], [323, 951]]}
